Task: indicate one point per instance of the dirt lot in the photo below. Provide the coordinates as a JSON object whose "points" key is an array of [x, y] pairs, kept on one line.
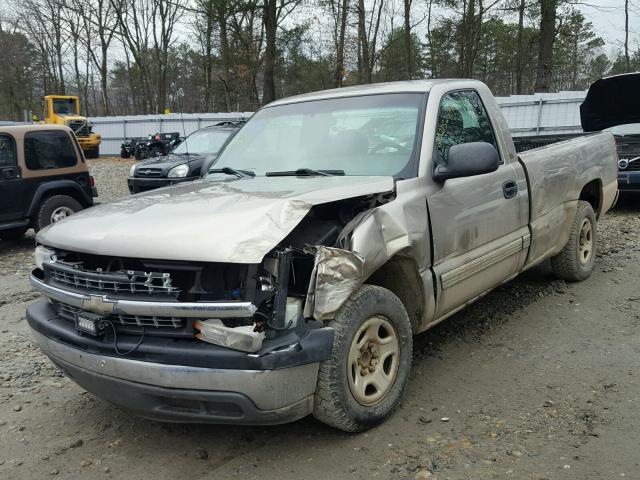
{"points": [[540, 380]]}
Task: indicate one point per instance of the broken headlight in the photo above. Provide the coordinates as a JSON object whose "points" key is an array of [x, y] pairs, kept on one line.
{"points": [[43, 255], [239, 338]]}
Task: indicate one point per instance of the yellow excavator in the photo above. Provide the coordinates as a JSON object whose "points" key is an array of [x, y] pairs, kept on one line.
{"points": [[65, 110]]}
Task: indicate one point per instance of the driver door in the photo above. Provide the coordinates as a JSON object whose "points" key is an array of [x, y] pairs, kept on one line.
{"points": [[479, 222]]}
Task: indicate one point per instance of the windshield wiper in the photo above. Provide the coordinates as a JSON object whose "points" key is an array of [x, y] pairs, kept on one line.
{"points": [[233, 171], [305, 172]]}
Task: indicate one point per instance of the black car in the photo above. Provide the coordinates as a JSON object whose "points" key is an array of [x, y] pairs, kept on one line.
{"points": [[186, 162]]}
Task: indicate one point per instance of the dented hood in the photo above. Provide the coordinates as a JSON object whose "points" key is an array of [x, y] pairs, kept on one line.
{"points": [[610, 102], [237, 221]]}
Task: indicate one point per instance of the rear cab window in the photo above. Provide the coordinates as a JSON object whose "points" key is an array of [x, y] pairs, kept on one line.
{"points": [[8, 154], [49, 149]]}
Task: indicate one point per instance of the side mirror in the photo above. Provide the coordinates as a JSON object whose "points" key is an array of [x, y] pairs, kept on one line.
{"points": [[468, 159]]}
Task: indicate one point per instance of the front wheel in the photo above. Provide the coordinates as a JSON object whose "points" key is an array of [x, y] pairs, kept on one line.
{"points": [[576, 260], [362, 382]]}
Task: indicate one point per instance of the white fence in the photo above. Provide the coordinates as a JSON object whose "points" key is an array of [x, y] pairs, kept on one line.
{"points": [[526, 115], [543, 113], [115, 130]]}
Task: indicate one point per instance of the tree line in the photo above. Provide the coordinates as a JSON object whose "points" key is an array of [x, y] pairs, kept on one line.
{"points": [[145, 56]]}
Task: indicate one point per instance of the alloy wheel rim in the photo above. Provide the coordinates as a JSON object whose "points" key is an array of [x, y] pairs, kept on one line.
{"points": [[60, 213], [585, 241], [373, 361]]}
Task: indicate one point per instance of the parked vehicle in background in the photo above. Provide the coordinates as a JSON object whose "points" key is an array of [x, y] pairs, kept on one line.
{"points": [[613, 104], [628, 142], [186, 162], [65, 110], [43, 178], [332, 228], [156, 145]]}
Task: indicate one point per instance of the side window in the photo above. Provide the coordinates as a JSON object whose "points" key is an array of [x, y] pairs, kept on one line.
{"points": [[48, 149], [8, 156], [462, 118]]}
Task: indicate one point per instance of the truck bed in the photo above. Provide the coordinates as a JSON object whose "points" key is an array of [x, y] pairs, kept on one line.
{"points": [[556, 174]]}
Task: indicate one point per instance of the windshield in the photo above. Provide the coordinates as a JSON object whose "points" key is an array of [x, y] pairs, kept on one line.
{"points": [[628, 129], [366, 135], [203, 142], [64, 106]]}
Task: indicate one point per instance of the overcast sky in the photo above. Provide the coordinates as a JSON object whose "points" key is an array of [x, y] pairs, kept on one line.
{"points": [[607, 17]]}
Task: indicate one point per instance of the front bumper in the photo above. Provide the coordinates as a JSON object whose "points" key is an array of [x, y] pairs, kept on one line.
{"points": [[629, 181], [259, 392], [137, 185]]}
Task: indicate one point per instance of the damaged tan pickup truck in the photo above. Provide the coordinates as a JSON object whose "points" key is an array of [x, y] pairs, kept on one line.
{"points": [[334, 227]]}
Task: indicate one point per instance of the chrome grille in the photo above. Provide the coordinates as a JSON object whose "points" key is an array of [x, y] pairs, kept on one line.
{"points": [[69, 313], [128, 281], [148, 172], [633, 167]]}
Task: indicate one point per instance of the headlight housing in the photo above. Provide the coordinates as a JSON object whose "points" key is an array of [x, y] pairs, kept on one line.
{"points": [[43, 255], [132, 172], [179, 171]]}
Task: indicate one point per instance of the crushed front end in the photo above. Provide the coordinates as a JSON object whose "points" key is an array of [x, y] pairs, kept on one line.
{"points": [[183, 341]]}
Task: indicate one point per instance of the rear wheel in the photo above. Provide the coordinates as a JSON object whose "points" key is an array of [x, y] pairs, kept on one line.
{"points": [[56, 208], [576, 260], [363, 381], [124, 153], [12, 233]]}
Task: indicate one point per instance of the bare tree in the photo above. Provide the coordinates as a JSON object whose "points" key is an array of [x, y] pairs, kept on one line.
{"points": [[340, 12], [408, 48], [147, 29], [368, 32], [98, 22], [544, 73], [626, 36]]}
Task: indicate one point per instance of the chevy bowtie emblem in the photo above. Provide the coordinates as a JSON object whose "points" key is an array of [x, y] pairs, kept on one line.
{"points": [[98, 304]]}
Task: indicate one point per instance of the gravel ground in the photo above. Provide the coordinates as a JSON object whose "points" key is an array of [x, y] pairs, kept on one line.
{"points": [[539, 380]]}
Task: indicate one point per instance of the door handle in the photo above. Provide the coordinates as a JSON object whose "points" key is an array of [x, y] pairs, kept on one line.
{"points": [[510, 189]]}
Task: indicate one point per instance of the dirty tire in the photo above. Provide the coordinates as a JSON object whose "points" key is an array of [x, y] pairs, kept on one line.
{"points": [[124, 153], [572, 264], [50, 205], [12, 234], [334, 402]]}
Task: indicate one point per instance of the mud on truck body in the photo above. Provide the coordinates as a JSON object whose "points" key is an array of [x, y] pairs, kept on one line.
{"points": [[332, 228]]}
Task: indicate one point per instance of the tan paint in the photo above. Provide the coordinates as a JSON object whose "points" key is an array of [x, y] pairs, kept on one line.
{"points": [[18, 133]]}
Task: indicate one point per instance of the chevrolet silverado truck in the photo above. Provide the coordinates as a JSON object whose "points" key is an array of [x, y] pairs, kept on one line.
{"points": [[291, 280]]}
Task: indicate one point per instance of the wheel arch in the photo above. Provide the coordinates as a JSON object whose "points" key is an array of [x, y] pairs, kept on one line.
{"points": [[592, 193], [58, 187], [401, 276]]}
